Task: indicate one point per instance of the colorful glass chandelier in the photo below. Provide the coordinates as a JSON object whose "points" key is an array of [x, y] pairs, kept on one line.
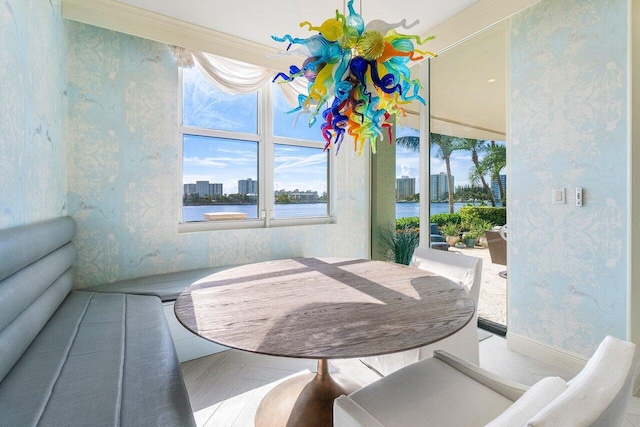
{"points": [[358, 76]]}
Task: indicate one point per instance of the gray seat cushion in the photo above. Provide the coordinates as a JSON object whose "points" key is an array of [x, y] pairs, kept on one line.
{"points": [[167, 286], [101, 360]]}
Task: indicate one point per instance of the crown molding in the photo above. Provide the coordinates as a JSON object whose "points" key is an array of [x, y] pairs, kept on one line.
{"points": [[124, 18]]}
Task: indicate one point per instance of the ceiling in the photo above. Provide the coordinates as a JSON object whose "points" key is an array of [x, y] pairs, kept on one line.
{"points": [[258, 20], [463, 101], [469, 87]]}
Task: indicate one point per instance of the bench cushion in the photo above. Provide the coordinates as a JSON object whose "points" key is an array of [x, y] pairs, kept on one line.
{"points": [[35, 277], [102, 359], [166, 286], [23, 245]]}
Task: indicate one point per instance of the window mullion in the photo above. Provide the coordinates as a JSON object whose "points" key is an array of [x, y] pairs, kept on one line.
{"points": [[266, 163], [180, 181], [297, 142], [194, 130], [331, 182]]}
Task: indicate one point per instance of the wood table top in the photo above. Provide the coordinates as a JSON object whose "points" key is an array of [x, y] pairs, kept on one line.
{"points": [[324, 307]]}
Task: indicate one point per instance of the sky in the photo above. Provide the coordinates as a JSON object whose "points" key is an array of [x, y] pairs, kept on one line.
{"points": [[226, 161]]}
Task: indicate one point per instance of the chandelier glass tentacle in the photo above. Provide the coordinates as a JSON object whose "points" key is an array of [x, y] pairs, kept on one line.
{"points": [[358, 76]]}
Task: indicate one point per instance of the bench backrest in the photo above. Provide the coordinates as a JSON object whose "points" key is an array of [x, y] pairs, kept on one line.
{"points": [[35, 277]]}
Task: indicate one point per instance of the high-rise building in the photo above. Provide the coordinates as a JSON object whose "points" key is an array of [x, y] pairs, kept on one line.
{"points": [[495, 188], [405, 187], [440, 186], [202, 188], [189, 189], [215, 189], [247, 186]]}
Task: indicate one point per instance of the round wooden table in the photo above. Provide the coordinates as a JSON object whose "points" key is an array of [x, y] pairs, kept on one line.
{"points": [[321, 308]]}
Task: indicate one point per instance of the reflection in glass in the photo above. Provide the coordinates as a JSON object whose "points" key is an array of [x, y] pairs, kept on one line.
{"points": [[206, 106], [292, 125]]}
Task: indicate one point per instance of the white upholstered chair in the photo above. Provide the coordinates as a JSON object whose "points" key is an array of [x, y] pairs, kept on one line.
{"points": [[447, 391], [461, 269]]}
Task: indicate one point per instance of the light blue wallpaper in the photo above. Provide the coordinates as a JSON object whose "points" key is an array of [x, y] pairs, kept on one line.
{"points": [[569, 83], [33, 102], [124, 178]]}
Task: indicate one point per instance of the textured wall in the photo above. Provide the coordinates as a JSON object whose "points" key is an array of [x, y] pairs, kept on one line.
{"points": [[124, 184], [33, 100], [569, 84]]}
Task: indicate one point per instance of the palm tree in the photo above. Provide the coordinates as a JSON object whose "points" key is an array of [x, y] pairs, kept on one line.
{"points": [[495, 161], [477, 178], [411, 143], [446, 145], [476, 146]]}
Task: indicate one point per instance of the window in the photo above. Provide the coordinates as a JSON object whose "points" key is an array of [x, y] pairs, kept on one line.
{"points": [[246, 162]]}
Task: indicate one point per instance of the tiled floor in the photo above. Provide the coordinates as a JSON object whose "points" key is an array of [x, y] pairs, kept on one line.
{"points": [[492, 304], [225, 389]]}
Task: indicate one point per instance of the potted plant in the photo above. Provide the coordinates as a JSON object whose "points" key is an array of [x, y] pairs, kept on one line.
{"points": [[469, 238], [398, 245], [483, 225], [475, 232], [451, 233]]}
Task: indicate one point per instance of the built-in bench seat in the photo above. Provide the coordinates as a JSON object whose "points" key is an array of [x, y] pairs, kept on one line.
{"points": [[77, 358], [167, 287]]}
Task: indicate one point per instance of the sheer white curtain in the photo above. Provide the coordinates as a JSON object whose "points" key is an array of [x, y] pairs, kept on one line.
{"points": [[233, 76]]}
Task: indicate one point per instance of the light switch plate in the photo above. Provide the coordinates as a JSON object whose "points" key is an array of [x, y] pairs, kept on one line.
{"points": [[558, 196], [578, 196]]}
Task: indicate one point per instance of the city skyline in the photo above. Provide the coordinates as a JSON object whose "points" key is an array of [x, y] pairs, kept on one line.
{"points": [[245, 186]]}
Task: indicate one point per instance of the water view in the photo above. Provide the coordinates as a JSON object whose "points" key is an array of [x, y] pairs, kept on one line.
{"points": [[297, 210]]}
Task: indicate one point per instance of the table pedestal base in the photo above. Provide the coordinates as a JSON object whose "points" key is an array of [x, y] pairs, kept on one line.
{"points": [[305, 400]]}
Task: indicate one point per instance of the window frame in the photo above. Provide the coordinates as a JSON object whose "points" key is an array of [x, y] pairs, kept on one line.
{"points": [[266, 169]]}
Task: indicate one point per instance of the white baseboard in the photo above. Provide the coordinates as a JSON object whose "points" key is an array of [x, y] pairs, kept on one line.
{"points": [[567, 361]]}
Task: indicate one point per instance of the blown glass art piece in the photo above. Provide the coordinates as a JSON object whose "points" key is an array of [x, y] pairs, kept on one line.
{"points": [[358, 76]]}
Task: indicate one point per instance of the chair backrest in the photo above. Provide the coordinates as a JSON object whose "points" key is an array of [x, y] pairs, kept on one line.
{"points": [[497, 247], [599, 394], [461, 269], [434, 228]]}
